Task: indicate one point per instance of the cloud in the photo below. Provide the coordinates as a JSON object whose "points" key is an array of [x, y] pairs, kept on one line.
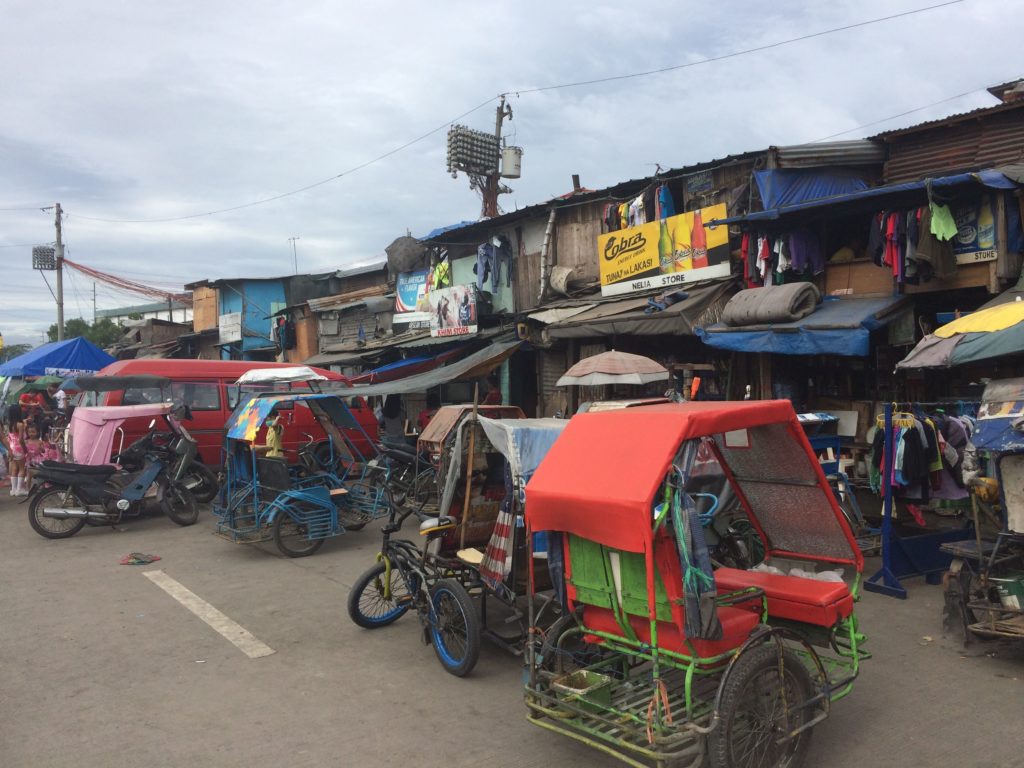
{"points": [[141, 111]]}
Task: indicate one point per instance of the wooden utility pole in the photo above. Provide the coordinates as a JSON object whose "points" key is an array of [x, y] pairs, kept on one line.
{"points": [[60, 277], [491, 186]]}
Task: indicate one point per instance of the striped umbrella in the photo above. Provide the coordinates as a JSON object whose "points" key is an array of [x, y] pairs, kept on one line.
{"points": [[613, 368], [988, 333]]}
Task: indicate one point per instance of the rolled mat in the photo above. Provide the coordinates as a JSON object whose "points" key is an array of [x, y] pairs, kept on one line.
{"points": [[771, 304]]}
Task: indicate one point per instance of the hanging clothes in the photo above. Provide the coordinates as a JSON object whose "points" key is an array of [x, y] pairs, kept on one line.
{"points": [[943, 226], [666, 204]]}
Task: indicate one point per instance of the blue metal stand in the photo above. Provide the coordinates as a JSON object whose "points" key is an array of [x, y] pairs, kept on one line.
{"points": [[905, 557]]}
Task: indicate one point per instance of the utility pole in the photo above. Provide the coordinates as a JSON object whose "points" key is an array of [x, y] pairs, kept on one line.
{"points": [[60, 277], [490, 206], [295, 255], [94, 302]]}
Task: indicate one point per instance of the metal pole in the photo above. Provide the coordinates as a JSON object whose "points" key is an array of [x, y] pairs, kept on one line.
{"points": [[490, 207], [295, 254], [60, 277]]}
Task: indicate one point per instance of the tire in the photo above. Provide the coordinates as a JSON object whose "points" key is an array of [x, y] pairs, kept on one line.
{"points": [[573, 654], [51, 527], [752, 714], [208, 487], [366, 604], [179, 504], [455, 627], [956, 616], [290, 537]]}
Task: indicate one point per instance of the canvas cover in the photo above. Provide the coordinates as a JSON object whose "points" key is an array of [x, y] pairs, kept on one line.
{"points": [[246, 420], [59, 358], [93, 429], [600, 478]]}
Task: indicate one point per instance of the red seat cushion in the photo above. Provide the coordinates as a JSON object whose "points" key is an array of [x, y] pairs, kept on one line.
{"points": [[792, 597], [737, 624]]}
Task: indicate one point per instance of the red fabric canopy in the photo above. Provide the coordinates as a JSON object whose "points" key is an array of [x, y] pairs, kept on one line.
{"points": [[600, 479]]}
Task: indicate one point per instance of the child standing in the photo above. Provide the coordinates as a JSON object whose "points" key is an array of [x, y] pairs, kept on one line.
{"points": [[15, 426], [37, 451]]}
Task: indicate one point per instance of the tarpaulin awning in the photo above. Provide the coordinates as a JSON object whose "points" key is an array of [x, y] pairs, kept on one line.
{"points": [[997, 331], [58, 358], [627, 316], [780, 187], [557, 314], [478, 364], [988, 178], [601, 487], [839, 326]]}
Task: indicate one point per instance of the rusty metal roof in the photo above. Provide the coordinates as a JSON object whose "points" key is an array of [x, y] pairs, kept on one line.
{"points": [[973, 114], [831, 153]]}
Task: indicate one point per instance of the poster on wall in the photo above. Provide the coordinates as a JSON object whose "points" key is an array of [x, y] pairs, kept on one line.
{"points": [[453, 311], [411, 303], [975, 232], [665, 253]]}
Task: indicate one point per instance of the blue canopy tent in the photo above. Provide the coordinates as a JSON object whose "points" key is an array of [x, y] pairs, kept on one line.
{"points": [[58, 358], [839, 326]]}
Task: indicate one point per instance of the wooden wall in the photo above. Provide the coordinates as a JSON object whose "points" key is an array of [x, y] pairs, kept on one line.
{"points": [[205, 309]]}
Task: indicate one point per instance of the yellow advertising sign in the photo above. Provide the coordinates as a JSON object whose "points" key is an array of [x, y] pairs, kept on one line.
{"points": [[664, 253]]}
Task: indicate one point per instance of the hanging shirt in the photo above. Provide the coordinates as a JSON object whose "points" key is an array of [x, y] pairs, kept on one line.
{"points": [[665, 202], [943, 226], [805, 251]]}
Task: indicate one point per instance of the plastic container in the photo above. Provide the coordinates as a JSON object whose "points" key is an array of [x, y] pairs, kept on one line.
{"points": [[591, 691], [1011, 590]]}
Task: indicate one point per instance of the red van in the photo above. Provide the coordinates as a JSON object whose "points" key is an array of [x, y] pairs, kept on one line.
{"points": [[207, 387]]}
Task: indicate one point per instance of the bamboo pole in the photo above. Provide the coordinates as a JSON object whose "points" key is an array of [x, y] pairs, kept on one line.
{"points": [[469, 467]]}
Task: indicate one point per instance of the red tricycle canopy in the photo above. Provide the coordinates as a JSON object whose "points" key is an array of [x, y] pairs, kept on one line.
{"points": [[601, 478]]}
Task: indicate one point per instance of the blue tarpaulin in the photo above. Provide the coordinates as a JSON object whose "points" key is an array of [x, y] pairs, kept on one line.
{"points": [[58, 358], [781, 187], [990, 178], [839, 326]]}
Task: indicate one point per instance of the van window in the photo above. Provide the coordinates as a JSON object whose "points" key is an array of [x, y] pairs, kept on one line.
{"points": [[143, 396], [197, 395]]}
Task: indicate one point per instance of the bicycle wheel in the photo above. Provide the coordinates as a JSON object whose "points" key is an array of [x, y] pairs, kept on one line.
{"points": [[374, 602], [758, 708], [455, 628], [291, 537]]}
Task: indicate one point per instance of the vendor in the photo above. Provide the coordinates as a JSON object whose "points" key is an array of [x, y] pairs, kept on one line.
{"points": [[493, 396], [433, 403], [392, 423]]}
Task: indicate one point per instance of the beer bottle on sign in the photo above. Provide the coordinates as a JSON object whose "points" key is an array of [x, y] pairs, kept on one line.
{"points": [[698, 242], [986, 226], [681, 245], [665, 249]]}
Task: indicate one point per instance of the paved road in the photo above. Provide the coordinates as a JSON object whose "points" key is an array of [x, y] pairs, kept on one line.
{"points": [[100, 667]]}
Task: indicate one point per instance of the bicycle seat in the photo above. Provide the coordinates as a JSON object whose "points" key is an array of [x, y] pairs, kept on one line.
{"points": [[434, 524], [398, 453]]}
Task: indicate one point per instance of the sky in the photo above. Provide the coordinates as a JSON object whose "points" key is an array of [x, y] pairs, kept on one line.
{"points": [[145, 111]]}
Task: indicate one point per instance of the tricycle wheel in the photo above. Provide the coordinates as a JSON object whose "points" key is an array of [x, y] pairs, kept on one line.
{"points": [[367, 605], [956, 616], [52, 527], [455, 629], [179, 504], [757, 709], [564, 649], [291, 538]]}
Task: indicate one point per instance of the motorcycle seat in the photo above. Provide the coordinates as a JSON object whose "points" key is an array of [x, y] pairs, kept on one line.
{"points": [[399, 454], [81, 469]]}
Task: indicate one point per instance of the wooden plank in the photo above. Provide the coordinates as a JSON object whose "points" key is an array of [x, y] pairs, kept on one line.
{"points": [[858, 278], [967, 276]]}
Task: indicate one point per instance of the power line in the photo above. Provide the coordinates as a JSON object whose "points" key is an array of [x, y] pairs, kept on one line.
{"points": [[901, 114], [520, 92], [734, 54]]}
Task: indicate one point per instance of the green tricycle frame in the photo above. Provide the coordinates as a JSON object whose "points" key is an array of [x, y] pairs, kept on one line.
{"points": [[664, 659]]}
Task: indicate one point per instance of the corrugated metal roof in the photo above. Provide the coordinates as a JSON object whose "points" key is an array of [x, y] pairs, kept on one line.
{"points": [[996, 140], [621, 191], [365, 269], [948, 120], [857, 152]]}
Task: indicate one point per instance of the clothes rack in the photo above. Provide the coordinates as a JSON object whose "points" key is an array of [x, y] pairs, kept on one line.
{"points": [[908, 556]]}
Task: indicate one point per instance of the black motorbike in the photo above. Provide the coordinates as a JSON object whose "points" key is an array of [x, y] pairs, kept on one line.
{"points": [[65, 496], [197, 477]]}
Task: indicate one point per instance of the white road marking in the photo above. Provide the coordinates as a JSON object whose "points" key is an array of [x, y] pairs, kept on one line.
{"points": [[234, 632]]}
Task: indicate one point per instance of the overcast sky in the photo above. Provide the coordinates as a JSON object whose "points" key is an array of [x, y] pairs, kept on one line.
{"points": [[150, 110]]}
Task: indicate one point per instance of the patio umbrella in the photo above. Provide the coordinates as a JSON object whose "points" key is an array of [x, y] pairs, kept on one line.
{"points": [[983, 335], [613, 368]]}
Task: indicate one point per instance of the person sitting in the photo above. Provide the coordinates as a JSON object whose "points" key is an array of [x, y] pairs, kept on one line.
{"points": [[424, 417]]}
